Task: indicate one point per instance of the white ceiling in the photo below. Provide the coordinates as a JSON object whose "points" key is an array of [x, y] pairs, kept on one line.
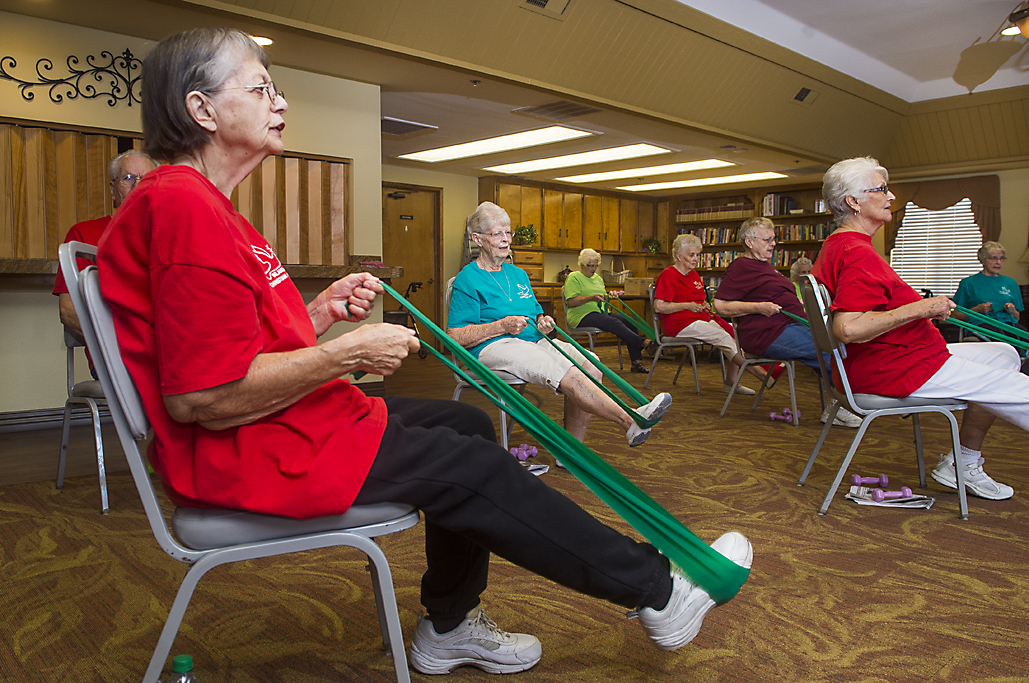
{"points": [[914, 49]]}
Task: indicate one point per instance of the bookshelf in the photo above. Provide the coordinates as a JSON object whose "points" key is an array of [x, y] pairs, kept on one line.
{"points": [[800, 227]]}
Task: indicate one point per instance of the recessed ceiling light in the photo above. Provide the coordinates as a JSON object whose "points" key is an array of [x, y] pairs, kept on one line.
{"points": [[262, 41], [595, 157], [1010, 31], [698, 182], [503, 143], [684, 167]]}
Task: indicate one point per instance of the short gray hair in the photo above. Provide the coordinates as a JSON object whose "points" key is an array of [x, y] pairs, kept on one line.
{"points": [[845, 178], [687, 239], [795, 268], [988, 248], [202, 60], [588, 254], [114, 165], [485, 216], [750, 228]]}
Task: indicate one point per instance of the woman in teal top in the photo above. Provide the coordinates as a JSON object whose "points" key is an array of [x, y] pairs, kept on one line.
{"points": [[583, 292], [489, 308]]}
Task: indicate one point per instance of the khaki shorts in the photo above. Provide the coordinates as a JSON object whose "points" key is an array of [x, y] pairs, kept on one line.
{"points": [[710, 332], [537, 363]]}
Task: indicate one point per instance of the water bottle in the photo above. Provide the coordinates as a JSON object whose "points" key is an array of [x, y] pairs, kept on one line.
{"points": [[182, 670]]}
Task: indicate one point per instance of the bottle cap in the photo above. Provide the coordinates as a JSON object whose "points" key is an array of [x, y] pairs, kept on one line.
{"points": [[182, 663]]}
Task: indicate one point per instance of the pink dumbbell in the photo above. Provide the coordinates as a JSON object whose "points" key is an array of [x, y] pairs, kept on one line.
{"points": [[878, 495], [524, 452], [881, 480], [787, 412], [776, 416]]}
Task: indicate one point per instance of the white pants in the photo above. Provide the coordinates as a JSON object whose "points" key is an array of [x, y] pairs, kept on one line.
{"points": [[986, 374], [710, 332], [538, 363]]}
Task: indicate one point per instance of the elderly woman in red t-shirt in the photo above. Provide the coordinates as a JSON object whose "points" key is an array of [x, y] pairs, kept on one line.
{"points": [[248, 408], [681, 301], [892, 347]]}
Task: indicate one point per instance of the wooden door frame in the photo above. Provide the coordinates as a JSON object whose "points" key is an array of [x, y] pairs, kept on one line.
{"points": [[437, 237]]}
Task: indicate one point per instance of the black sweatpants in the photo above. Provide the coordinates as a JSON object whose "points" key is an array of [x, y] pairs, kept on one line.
{"points": [[621, 327], [442, 457]]}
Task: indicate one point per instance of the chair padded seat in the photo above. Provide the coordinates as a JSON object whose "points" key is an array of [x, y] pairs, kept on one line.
{"points": [[678, 340], [506, 376], [88, 389], [584, 330], [877, 402], [203, 529]]}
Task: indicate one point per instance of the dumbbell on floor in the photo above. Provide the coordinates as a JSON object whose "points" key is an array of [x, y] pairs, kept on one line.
{"points": [[878, 495], [776, 416], [858, 480]]}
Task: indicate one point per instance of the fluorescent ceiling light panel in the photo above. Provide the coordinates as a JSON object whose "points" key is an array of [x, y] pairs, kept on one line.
{"points": [[744, 178], [262, 41], [685, 167], [503, 143], [598, 156], [1010, 31]]}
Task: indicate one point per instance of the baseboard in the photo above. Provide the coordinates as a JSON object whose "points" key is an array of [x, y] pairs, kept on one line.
{"points": [[49, 418]]}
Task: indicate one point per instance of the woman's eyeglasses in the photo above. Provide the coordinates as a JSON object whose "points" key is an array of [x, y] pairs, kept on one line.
{"points": [[268, 89]]}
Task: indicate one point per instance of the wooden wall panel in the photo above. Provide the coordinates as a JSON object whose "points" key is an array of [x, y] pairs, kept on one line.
{"points": [[6, 190], [65, 143], [19, 237], [314, 211], [268, 207], [290, 205], [341, 212], [97, 190], [50, 199]]}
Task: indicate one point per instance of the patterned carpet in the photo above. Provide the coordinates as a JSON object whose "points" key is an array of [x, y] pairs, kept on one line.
{"points": [[863, 594]]}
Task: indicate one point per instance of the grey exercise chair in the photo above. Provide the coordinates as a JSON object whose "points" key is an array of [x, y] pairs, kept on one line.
{"points": [[669, 343], [88, 392], [204, 539], [588, 331], [506, 425], [867, 406], [791, 370]]}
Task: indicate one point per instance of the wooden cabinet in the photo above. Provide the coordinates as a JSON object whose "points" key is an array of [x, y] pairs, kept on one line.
{"points": [[553, 219], [629, 225], [531, 261], [593, 221], [573, 227], [610, 214]]}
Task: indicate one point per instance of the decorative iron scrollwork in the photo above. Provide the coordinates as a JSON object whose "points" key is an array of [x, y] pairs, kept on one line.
{"points": [[116, 80]]}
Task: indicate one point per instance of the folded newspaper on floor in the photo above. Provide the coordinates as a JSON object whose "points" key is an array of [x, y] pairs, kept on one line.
{"points": [[862, 495]]}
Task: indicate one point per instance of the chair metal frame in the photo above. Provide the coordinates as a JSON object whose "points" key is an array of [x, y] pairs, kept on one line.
{"points": [[867, 406], [791, 370], [506, 425], [588, 331], [664, 342], [219, 537]]}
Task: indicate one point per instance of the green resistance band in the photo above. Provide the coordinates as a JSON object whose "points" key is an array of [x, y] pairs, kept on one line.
{"points": [[640, 322], [991, 334], [795, 317], [719, 576], [975, 315], [629, 390]]}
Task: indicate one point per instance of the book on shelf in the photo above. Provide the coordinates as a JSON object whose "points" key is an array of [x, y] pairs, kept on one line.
{"points": [[802, 232], [714, 213], [722, 235], [777, 204]]}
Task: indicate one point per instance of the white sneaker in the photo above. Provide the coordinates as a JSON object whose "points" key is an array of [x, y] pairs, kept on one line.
{"points": [[740, 389], [655, 410], [478, 642], [844, 418], [977, 482], [680, 621]]}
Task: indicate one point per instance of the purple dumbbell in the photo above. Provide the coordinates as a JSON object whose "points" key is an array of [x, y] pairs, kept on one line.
{"points": [[881, 480], [776, 416], [787, 412], [878, 495]]}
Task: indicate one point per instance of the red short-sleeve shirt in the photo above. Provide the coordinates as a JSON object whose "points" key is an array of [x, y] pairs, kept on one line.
{"points": [[747, 279], [858, 279], [88, 232], [674, 287], [197, 294]]}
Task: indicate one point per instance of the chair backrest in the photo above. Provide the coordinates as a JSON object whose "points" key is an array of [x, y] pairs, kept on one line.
{"points": [[653, 314], [446, 302], [820, 317], [68, 255], [125, 404]]}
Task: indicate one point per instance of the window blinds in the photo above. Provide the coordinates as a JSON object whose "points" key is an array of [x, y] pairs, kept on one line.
{"points": [[936, 249]]}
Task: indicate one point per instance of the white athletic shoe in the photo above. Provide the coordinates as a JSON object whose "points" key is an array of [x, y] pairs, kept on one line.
{"points": [[844, 418], [655, 410], [977, 482], [680, 621], [478, 642]]}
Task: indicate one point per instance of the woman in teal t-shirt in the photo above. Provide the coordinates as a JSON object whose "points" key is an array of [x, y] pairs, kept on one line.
{"points": [[583, 292]]}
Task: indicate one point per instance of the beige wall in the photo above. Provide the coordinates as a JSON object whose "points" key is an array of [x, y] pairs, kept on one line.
{"points": [[328, 116]]}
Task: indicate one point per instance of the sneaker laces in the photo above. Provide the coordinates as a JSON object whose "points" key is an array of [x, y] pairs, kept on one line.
{"points": [[483, 621]]}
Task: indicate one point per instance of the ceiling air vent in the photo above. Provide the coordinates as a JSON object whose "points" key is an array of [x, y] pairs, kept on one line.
{"points": [[805, 97], [805, 171], [555, 9], [561, 110], [392, 126]]}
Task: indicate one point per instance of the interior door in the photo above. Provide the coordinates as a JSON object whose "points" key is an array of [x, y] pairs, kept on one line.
{"points": [[410, 239]]}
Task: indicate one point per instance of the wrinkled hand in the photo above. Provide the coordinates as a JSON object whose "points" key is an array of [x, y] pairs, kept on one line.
{"points": [[1010, 308], [513, 324], [352, 297], [698, 306], [985, 307], [545, 324], [380, 348], [599, 298], [768, 308], [938, 307]]}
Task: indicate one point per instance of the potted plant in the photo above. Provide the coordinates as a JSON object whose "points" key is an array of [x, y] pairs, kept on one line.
{"points": [[525, 235], [651, 244]]}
